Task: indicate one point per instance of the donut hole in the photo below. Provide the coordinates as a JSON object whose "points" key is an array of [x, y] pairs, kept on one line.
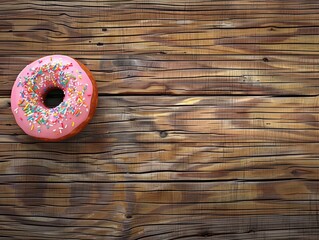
{"points": [[53, 97]]}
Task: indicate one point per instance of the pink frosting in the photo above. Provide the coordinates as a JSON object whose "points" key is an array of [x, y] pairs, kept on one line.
{"points": [[56, 71]]}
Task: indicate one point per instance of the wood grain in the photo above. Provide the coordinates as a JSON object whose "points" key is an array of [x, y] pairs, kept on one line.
{"points": [[158, 47], [174, 167], [207, 125]]}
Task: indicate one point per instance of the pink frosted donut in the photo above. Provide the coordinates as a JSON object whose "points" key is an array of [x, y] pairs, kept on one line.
{"points": [[71, 115]]}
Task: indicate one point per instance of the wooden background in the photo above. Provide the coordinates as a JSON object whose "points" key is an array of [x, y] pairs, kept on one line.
{"points": [[207, 125]]}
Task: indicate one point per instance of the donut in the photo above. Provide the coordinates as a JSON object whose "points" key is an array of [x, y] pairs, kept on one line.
{"points": [[41, 77]]}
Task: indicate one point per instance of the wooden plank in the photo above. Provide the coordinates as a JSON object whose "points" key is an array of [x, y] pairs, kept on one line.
{"points": [[160, 47], [198, 119], [164, 167]]}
